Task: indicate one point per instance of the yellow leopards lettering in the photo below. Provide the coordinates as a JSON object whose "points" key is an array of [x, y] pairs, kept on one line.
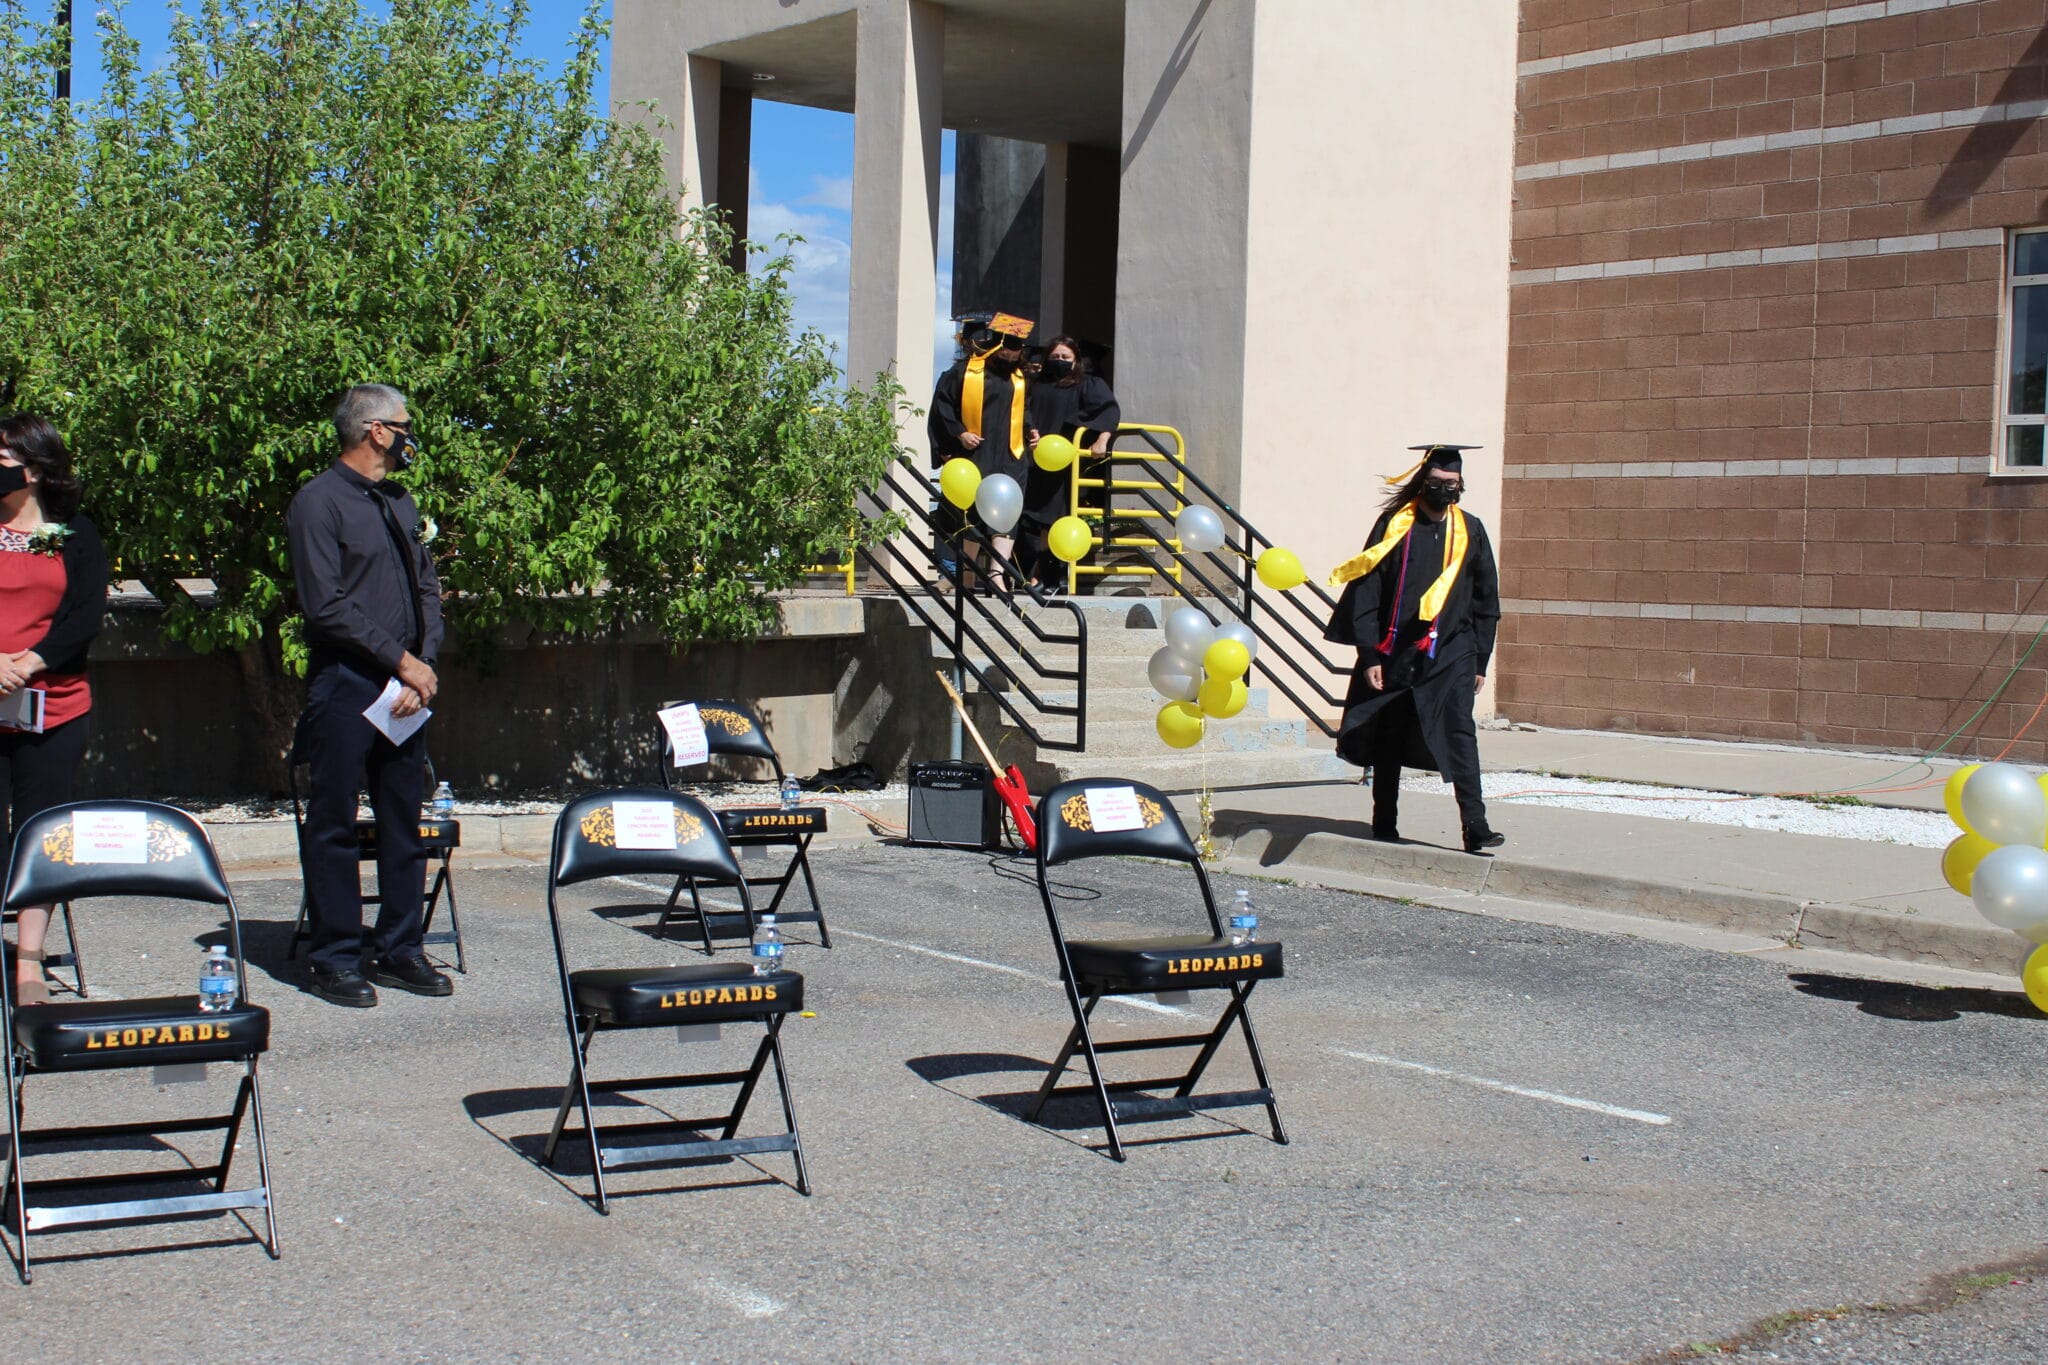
{"points": [[155, 1036], [776, 821], [1190, 966], [718, 995]]}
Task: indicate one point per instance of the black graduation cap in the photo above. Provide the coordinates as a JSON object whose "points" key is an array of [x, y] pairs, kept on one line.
{"points": [[1437, 455]]}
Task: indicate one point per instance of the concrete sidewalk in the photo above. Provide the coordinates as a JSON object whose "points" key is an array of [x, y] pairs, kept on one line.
{"points": [[1748, 889]]}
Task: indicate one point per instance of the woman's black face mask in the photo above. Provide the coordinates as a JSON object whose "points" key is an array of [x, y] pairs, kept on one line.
{"points": [[1440, 494], [13, 478], [1057, 369]]}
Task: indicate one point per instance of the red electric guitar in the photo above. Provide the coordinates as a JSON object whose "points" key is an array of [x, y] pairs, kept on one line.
{"points": [[1009, 782]]}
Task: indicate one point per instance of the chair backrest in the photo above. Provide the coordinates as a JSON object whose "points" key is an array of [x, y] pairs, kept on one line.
{"points": [[1067, 833], [587, 837], [730, 727], [1066, 825], [114, 848]]}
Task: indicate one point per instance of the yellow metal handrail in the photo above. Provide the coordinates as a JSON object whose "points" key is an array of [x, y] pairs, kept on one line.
{"points": [[1110, 488]]}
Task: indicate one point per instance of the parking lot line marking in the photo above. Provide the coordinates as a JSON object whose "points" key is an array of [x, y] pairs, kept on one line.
{"points": [[1569, 1101], [1151, 1005], [743, 1301]]}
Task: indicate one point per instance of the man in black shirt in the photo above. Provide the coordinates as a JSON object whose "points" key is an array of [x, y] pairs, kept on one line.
{"points": [[372, 603]]}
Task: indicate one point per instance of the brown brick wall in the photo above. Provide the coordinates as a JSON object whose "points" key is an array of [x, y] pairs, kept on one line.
{"points": [[1877, 356]]}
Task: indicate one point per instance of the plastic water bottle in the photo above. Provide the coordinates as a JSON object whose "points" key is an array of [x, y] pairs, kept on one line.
{"points": [[792, 792], [216, 982], [1244, 921], [444, 801], [767, 947]]}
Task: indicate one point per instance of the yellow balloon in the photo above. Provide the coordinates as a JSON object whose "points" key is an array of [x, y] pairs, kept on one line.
{"points": [[1180, 724], [1054, 453], [2034, 978], [1952, 794], [1223, 697], [1069, 539], [1226, 659], [1281, 569], [958, 480], [1959, 860]]}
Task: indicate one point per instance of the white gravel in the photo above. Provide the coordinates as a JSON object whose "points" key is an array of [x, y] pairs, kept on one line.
{"points": [[1873, 824]]}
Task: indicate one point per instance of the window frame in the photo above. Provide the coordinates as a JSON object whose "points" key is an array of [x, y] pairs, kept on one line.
{"points": [[2006, 420]]}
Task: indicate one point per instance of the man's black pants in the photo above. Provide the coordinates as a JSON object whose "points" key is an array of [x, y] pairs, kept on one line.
{"points": [[348, 755], [1460, 764]]}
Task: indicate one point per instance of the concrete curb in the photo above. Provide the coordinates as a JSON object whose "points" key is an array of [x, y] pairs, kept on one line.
{"points": [[1459, 877], [268, 843]]}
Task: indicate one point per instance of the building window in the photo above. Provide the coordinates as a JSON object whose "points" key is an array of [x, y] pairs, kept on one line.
{"points": [[2026, 348]]}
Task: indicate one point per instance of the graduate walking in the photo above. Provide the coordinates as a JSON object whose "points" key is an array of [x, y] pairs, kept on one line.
{"points": [[1421, 604]]}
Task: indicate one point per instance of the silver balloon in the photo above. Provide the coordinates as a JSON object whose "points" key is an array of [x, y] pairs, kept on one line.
{"points": [[1000, 502], [1171, 677], [2004, 803], [1189, 632], [2011, 887], [1240, 632], [1200, 530]]}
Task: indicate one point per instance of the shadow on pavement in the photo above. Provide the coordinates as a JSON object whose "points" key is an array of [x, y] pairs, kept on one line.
{"points": [[1285, 833], [1063, 1114], [1922, 1004]]}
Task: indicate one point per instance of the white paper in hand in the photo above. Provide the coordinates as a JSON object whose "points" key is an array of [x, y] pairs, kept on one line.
{"points": [[643, 824], [397, 729], [685, 734], [1113, 809], [109, 836]]}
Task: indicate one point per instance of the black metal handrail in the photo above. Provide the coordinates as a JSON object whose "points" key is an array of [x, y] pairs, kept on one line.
{"points": [[1307, 666], [959, 616]]}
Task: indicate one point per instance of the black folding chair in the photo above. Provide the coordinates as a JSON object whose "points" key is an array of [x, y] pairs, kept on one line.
{"points": [[1093, 969], [439, 838], [736, 730], [73, 957], [49, 864], [597, 1000]]}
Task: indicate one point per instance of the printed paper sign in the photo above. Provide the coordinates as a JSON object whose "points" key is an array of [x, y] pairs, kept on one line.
{"points": [[109, 836], [643, 824], [1113, 809], [685, 735]]}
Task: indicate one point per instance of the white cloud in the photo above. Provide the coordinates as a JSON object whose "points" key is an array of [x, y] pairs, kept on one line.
{"points": [[942, 324], [820, 265], [833, 192]]}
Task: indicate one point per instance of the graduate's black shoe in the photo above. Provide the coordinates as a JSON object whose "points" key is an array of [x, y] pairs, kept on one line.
{"points": [[1386, 834], [410, 974], [1478, 838], [343, 987]]}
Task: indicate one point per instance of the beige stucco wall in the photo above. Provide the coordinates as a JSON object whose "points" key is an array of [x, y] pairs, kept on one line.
{"points": [[1376, 291]]}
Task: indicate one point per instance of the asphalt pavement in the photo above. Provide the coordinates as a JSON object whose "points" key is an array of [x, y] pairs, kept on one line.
{"points": [[1511, 1142]]}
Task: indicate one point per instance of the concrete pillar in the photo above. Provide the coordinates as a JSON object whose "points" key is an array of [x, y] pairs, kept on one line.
{"points": [[894, 286], [1052, 250], [697, 138]]}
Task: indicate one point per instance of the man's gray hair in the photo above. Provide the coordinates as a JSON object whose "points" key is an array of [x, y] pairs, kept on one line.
{"points": [[362, 405]]}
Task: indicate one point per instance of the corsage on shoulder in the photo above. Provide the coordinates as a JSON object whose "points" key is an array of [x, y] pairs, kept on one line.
{"points": [[49, 538]]}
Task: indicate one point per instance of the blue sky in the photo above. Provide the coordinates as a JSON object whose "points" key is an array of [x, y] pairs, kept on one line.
{"points": [[802, 181]]}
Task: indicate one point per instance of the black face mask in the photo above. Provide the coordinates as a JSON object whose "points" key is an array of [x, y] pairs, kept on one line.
{"points": [[13, 478], [1057, 369], [1441, 495]]}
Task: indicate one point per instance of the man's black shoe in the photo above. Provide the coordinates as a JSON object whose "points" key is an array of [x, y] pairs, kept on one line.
{"points": [[343, 987], [410, 974], [1479, 838]]}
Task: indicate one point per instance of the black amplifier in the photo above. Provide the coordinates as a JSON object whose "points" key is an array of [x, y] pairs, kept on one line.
{"points": [[954, 804]]}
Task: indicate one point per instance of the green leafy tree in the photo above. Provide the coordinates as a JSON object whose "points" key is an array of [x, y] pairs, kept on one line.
{"points": [[308, 194]]}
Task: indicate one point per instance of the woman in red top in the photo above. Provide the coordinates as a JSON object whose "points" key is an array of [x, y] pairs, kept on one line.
{"points": [[53, 595]]}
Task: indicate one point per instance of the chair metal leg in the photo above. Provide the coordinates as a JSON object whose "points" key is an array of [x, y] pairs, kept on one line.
{"points": [[578, 1089], [299, 931], [703, 920], [454, 920], [668, 910], [1053, 1073], [263, 1160], [17, 1185], [1251, 1042], [739, 1104], [803, 860], [582, 1046], [1231, 1012], [803, 1176]]}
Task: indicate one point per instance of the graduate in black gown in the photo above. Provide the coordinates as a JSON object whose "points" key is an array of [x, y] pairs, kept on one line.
{"points": [[1421, 604], [1067, 399], [980, 410]]}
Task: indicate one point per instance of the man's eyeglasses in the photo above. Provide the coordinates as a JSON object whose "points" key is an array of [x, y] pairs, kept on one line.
{"points": [[404, 426]]}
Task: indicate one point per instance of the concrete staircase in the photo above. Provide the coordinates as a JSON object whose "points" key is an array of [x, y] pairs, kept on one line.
{"points": [[1252, 748]]}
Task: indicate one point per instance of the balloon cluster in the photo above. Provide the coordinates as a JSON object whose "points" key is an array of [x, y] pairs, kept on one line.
{"points": [[997, 497], [1999, 860], [1200, 671]]}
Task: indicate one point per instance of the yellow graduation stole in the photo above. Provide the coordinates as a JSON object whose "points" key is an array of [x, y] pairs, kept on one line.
{"points": [[970, 402], [1439, 592]]}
